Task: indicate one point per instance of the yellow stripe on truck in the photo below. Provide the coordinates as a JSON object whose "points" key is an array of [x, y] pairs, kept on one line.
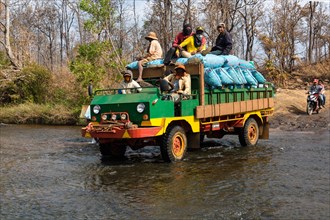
{"points": [[164, 122]]}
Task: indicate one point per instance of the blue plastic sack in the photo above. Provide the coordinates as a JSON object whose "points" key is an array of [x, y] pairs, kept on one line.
{"points": [[211, 78], [213, 61], [155, 63], [181, 60], [249, 77], [240, 75], [234, 75], [259, 77], [226, 79], [246, 64], [133, 65], [231, 60]]}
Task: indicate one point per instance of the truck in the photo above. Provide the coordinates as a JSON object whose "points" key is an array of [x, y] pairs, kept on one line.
{"points": [[150, 118]]}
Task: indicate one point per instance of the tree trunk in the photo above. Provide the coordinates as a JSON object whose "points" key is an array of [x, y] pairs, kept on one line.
{"points": [[7, 45]]}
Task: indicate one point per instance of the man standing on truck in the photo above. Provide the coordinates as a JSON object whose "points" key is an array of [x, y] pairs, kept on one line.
{"points": [[180, 81], [186, 32], [154, 52], [223, 43]]}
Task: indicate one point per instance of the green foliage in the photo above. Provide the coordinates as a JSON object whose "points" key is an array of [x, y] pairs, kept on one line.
{"points": [[4, 61], [33, 82], [30, 84], [100, 13], [95, 61]]}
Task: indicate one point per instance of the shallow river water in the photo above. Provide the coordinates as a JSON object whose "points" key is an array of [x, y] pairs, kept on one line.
{"points": [[52, 173]]}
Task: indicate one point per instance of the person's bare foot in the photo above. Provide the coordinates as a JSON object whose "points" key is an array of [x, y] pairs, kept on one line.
{"points": [[139, 80]]}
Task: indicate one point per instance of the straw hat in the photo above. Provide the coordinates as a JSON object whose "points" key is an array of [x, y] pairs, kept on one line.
{"points": [[180, 66], [151, 35], [199, 29]]}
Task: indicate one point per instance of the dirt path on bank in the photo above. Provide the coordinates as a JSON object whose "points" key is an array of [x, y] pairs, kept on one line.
{"points": [[290, 112]]}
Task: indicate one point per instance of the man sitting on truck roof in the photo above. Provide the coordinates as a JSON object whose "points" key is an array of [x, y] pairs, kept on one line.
{"points": [[223, 43], [154, 52], [179, 38], [128, 83], [180, 81], [194, 44]]}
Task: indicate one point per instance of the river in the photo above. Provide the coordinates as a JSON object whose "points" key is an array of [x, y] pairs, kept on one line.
{"points": [[50, 172]]}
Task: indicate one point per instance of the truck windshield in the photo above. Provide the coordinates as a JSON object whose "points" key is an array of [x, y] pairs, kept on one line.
{"points": [[152, 90]]}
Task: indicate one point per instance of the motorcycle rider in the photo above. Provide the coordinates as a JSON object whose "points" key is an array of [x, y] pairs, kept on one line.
{"points": [[316, 88]]}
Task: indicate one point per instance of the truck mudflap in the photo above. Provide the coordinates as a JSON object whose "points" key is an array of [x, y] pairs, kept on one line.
{"points": [[114, 131]]}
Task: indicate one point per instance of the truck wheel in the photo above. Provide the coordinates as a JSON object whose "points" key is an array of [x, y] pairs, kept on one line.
{"points": [[112, 150], [249, 134], [174, 144]]}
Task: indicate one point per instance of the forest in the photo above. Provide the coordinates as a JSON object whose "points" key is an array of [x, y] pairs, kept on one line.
{"points": [[51, 49]]}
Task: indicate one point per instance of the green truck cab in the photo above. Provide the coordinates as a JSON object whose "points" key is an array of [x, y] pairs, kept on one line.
{"points": [[151, 118]]}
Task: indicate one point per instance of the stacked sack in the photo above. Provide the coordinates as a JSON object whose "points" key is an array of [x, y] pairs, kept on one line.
{"points": [[219, 70], [228, 70]]}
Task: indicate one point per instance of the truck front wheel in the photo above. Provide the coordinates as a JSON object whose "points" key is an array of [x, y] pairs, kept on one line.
{"points": [[112, 150], [174, 144], [249, 134]]}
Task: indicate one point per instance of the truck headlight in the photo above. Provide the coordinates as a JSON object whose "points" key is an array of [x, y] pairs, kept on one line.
{"points": [[140, 108], [96, 109], [104, 117], [123, 117]]}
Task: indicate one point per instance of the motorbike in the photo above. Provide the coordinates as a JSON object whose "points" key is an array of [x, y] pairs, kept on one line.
{"points": [[312, 103]]}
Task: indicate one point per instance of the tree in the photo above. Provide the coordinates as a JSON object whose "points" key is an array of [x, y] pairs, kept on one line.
{"points": [[5, 29]]}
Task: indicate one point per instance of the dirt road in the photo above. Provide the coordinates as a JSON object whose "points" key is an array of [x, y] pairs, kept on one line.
{"points": [[290, 112]]}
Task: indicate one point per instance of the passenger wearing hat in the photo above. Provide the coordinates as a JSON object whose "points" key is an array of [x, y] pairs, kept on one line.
{"points": [[194, 44], [181, 82], [154, 52], [128, 83], [223, 43], [179, 38]]}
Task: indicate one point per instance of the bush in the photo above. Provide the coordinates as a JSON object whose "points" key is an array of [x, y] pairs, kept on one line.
{"points": [[30, 84]]}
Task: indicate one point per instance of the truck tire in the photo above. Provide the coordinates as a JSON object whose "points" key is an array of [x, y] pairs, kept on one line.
{"points": [[113, 150], [249, 134], [174, 144]]}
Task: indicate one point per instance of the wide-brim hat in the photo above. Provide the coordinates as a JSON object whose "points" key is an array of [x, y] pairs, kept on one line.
{"points": [[180, 66], [151, 35], [200, 29]]}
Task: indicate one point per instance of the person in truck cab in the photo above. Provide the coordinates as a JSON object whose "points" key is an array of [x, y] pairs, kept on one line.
{"points": [[128, 83], [154, 52], [180, 81], [193, 44]]}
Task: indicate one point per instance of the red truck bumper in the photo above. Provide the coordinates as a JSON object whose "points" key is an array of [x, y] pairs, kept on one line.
{"points": [[104, 132]]}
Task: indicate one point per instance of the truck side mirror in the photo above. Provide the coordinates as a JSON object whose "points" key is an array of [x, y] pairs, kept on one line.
{"points": [[90, 89]]}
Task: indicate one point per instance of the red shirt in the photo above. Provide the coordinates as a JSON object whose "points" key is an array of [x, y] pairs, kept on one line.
{"points": [[180, 38]]}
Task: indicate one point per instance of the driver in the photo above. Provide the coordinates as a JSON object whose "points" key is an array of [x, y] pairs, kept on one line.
{"points": [[180, 81], [128, 83]]}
